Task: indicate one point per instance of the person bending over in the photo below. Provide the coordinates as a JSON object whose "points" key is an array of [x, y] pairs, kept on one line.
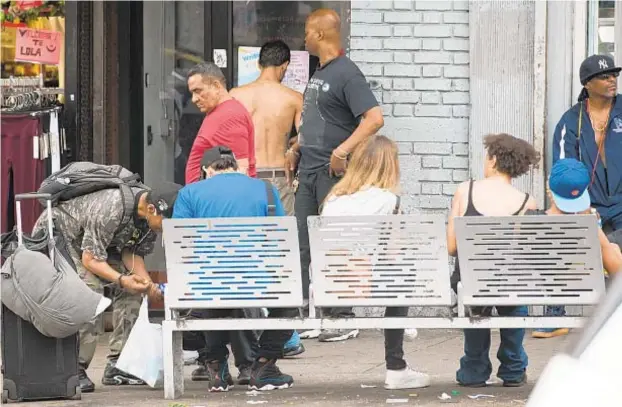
{"points": [[227, 193], [568, 195]]}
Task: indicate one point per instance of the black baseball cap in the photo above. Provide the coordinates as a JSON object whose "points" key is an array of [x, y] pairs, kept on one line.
{"points": [[163, 197], [595, 65], [214, 154]]}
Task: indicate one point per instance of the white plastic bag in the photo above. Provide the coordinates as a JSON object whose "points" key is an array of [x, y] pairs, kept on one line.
{"points": [[142, 354]]}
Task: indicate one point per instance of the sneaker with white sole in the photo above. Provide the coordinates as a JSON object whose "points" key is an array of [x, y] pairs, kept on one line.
{"points": [[310, 334], [267, 376], [337, 335], [406, 378]]}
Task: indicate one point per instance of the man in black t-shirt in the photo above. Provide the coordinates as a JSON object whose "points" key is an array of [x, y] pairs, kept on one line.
{"points": [[339, 112]]}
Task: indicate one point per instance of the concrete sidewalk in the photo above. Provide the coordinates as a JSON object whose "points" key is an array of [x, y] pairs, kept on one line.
{"points": [[331, 374]]}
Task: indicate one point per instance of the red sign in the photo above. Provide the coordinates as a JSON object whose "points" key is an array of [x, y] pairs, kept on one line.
{"points": [[38, 46]]}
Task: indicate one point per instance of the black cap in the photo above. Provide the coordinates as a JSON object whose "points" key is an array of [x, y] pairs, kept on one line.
{"points": [[214, 154], [163, 198], [595, 65]]}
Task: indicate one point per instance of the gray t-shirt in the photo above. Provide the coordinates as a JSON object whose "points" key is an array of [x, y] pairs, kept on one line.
{"points": [[334, 100]]}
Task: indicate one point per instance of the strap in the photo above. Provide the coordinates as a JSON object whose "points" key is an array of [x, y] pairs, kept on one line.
{"points": [[579, 130], [396, 210], [127, 199], [270, 196], [522, 206]]}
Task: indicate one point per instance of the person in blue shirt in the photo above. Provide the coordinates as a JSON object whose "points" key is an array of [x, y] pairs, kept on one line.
{"points": [[227, 193], [568, 194]]}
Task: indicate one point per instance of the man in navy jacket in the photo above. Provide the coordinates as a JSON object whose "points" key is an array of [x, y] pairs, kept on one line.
{"points": [[591, 132]]}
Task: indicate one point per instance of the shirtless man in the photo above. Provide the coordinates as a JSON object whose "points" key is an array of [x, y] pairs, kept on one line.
{"points": [[274, 109]]}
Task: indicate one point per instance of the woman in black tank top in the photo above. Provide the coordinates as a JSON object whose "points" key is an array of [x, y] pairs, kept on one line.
{"points": [[506, 158]]}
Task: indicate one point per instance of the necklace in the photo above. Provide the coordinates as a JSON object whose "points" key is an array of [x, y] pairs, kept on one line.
{"points": [[595, 125]]}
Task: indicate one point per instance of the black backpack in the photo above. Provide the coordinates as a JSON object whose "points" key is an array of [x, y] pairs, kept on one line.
{"points": [[82, 177]]}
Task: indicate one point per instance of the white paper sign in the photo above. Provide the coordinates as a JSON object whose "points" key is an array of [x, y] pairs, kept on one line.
{"points": [[296, 77], [220, 58], [248, 68], [297, 74]]}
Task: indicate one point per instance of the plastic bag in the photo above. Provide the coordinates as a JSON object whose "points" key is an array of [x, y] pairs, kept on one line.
{"points": [[142, 354]]}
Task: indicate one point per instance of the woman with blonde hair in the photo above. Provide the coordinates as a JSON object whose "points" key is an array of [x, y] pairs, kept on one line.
{"points": [[369, 187]]}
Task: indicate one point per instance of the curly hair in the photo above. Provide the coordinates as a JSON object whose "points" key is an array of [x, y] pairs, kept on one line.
{"points": [[514, 156]]}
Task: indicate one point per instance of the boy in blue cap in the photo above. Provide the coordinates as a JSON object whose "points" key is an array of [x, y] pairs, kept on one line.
{"points": [[568, 193]]}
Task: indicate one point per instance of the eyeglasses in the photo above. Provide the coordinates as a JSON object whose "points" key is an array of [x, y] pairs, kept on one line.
{"points": [[607, 76]]}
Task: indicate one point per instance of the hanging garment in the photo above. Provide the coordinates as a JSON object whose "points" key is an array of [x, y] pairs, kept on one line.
{"points": [[19, 138]]}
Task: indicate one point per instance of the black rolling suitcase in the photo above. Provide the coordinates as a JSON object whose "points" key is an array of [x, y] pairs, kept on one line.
{"points": [[35, 366]]}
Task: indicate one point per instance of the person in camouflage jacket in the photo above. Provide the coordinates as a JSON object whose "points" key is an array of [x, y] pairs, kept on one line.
{"points": [[106, 252]]}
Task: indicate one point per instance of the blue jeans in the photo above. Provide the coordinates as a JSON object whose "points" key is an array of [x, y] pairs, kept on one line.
{"points": [[475, 366]]}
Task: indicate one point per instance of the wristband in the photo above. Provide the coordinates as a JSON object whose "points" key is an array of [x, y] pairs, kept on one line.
{"points": [[119, 281]]}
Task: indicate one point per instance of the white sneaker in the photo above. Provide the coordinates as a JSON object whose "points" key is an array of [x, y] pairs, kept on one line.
{"points": [[311, 334], [405, 379]]}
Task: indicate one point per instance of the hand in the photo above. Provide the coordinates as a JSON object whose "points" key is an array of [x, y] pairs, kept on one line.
{"points": [[291, 163], [135, 284], [338, 163], [154, 293]]}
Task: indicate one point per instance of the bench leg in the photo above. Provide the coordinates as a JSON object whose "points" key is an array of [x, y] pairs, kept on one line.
{"points": [[173, 361]]}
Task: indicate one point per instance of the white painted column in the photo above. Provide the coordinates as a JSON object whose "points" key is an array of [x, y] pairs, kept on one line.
{"points": [[502, 37], [560, 69]]}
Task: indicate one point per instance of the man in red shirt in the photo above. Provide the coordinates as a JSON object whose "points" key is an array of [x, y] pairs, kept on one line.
{"points": [[227, 122]]}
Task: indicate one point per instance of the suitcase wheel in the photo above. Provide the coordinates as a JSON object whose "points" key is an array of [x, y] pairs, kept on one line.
{"points": [[78, 395], [5, 396]]}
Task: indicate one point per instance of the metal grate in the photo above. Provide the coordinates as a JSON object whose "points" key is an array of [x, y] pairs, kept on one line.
{"points": [[530, 260], [232, 263], [379, 260]]}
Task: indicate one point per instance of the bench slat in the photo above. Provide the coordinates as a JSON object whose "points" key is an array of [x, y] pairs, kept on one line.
{"points": [[392, 260], [232, 263], [530, 260]]}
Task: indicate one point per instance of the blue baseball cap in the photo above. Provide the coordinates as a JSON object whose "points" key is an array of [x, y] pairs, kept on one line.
{"points": [[568, 183]]}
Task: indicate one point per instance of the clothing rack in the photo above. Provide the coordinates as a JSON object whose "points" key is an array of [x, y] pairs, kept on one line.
{"points": [[22, 94]]}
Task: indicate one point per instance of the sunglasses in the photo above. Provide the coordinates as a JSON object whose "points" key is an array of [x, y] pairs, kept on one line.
{"points": [[607, 76]]}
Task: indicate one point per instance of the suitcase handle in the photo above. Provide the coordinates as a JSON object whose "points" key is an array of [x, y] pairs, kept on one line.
{"points": [[32, 195]]}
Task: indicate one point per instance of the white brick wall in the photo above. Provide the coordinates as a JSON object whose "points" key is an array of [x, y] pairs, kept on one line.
{"points": [[415, 55]]}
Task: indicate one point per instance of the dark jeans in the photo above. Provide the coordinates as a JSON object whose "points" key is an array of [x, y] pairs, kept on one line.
{"points": [[475, 366], [394, 341], [215, 342], [312, 190], [244, 344]]}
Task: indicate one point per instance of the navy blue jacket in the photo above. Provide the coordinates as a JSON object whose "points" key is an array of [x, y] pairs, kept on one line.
{"points": [[606, 188]]}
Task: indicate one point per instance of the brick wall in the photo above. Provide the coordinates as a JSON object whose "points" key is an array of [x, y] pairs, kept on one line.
{"points": [[415, 55]]}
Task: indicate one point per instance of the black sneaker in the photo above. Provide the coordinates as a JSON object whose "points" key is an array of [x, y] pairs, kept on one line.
{"points": [[219, 377], [86, 385], [244, 377], [267, 376], [518, 383], [201, 373], [115, 377]]}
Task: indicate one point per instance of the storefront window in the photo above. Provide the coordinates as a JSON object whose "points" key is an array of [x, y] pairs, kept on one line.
{"points": [[257, 22], [601, 28], [33, 43]]}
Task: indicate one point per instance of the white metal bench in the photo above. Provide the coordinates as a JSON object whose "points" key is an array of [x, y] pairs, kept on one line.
{"points": [[371, 261], [225, 263], [529, 260]]}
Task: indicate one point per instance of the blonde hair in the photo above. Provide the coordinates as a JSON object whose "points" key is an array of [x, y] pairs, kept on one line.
{"points": [[374, 163]]}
